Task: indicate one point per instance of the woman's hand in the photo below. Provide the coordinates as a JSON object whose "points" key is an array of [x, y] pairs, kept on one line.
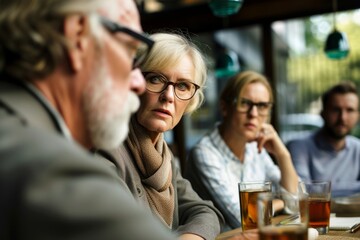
{"points": [[270, 140], [189, 236], [252, 234]]}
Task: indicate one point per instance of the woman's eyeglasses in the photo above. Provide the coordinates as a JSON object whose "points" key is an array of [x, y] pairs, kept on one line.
{"points": [[157, 83], [244, 105], [145, 42]]}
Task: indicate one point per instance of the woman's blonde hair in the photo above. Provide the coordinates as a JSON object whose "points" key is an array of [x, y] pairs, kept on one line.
{"points": [[237, 83], [168, 50]]}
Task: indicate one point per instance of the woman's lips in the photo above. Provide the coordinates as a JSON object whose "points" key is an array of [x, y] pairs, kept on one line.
{"points": [[250, 126], [162, 112]]}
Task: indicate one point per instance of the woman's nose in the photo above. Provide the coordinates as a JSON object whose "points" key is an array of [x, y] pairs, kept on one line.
{"points": [[168, 93], [253, 111]]}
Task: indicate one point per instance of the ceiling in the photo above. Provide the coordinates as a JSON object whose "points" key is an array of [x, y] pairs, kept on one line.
{"points": [[196, 16]]}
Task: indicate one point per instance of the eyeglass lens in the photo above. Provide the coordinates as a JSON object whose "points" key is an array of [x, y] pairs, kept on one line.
{"points": [[157, 83], [246, 105]]}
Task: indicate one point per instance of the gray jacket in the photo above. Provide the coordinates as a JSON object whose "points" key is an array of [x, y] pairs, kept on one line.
{"points": [[51, 188], [191, 214]]}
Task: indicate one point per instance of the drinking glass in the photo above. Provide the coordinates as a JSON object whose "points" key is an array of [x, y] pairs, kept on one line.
{"points": [[319, 203], [248, 192], [291, 225]]}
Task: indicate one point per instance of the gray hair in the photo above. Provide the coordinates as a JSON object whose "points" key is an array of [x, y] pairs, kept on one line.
{"points": [[31, 41], [168, 50]]}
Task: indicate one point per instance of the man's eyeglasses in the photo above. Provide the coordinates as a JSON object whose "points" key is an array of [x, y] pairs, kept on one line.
{"points": [[145, 42], [244, 105], [157, 83]]}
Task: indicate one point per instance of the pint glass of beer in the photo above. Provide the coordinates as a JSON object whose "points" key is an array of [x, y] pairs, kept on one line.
{"points": [[319, 203], [248, 192], [292, 224]]}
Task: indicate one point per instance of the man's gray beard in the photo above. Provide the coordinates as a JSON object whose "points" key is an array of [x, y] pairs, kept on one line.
{"points": [[108, 113]]}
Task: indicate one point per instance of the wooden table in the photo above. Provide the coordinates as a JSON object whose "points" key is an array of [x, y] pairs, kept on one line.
{"points": [[332, 235], [338, 206]]}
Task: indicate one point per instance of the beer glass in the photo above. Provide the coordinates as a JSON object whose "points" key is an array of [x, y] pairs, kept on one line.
{"points": [[248, 192], [319, 203], [291, 225]]}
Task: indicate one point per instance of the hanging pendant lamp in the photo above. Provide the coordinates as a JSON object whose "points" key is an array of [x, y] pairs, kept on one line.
{"points": [[336, 45], [227, 63], [223, 8]]}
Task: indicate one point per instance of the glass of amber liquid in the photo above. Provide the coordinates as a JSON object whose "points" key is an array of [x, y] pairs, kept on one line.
{"points": [[248, 192], [291, 225], [319, 203]]}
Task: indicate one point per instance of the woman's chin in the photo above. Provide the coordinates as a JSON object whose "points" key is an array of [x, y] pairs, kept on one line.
{"points": [[250, 138]]}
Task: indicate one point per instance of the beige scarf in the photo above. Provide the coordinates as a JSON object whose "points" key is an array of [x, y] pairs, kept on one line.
{"points": [[154, 164]]}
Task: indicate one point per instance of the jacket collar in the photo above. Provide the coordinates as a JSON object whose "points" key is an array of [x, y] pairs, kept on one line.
{"points": [[25, 101]]}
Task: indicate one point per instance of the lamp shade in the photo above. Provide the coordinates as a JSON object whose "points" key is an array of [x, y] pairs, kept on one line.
{"points": [[223, 8], [336, 46], [227, 64]]}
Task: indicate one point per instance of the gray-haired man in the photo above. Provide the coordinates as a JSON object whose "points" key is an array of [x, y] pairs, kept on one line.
{"points": [[68, 82]]}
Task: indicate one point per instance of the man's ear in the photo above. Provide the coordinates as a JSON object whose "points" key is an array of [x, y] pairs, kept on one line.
{"points": [[76, 32]]}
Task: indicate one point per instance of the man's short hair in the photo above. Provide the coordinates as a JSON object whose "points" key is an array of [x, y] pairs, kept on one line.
{"points": [[341, 88], [31, 39]]}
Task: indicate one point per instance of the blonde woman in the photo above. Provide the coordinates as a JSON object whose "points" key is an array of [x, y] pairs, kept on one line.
{"points": [[237, 148], [175, 73]]}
